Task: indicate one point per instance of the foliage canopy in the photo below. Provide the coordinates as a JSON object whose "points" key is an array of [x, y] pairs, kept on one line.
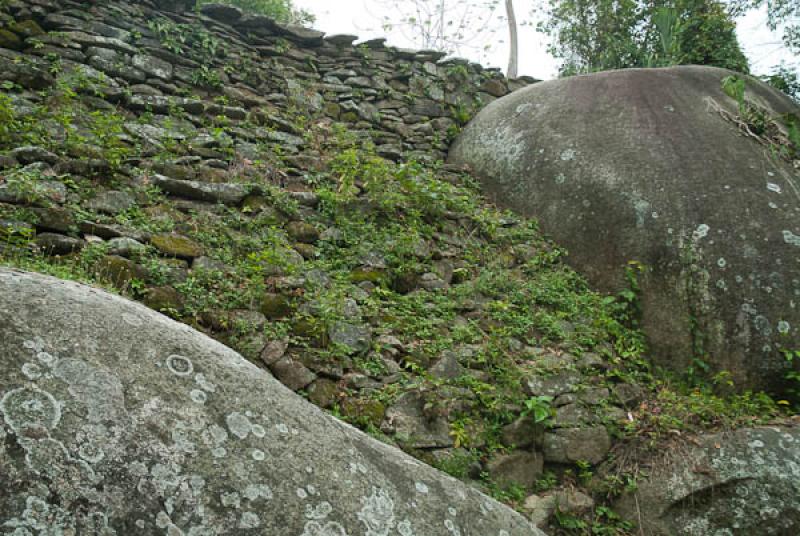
{"points": [[615, 34], [280, 10]]}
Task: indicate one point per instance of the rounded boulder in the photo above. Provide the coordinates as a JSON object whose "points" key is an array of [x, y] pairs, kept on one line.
{"points": [[653, 166], [116, 420]]}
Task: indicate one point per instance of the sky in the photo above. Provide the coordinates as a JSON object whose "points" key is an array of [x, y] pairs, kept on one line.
{"points": [[363, 18]]}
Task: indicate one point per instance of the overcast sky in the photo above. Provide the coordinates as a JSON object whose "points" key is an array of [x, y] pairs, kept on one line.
{"points": [[363, 18]]}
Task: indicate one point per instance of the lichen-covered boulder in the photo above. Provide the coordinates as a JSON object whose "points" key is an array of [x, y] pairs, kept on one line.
{"points": [[736, 483], [117, 420], [641, 165]]}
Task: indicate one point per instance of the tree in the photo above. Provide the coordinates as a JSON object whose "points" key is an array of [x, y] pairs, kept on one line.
{"points": [[614, 34], [280, 10], [706, 35], [783, 14], [453, 26], [784, 78], [513, 40]]}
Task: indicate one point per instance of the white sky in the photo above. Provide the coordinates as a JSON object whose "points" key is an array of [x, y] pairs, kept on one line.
{"points": [[363, 18]]}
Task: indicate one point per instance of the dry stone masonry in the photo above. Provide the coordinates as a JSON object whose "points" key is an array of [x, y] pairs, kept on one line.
{"points": [[281, 191]]}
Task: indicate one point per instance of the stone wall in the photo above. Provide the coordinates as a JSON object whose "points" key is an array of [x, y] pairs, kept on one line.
{"points": [[408, 102], [212, 166]]}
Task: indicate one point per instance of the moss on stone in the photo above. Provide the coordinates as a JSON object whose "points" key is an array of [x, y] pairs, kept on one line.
{"points": [[9, 39], [176, 245], [119, 270], [275, 306]]}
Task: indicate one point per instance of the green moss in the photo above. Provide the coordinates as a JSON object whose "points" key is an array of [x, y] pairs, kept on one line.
{"points": [[164, 299], [363, 411], [275, 306], [9, 39], [27, 28], [176, 245], [119, 271]]}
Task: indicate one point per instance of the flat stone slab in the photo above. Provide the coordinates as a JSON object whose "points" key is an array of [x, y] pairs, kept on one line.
{"points": [[227, 193], [117, 420]]}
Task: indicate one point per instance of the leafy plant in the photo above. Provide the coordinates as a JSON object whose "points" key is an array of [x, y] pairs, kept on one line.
{"points": [[205, 76], [793, 375], [539, 408], [8, 120], [280, 10]]}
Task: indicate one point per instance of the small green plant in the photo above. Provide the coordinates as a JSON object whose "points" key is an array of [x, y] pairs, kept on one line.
{"points": [[548, 481], [461, 114], [458, 464], [511, 493], [734, 87], [793, 375], [539, 408], [205, 76], [8, 120], [585, 472], [459, 72]]}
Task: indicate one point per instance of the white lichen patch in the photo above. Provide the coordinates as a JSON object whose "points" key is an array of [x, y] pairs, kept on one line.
{"points": [[451, 527], [772, 187], [198, 396], [99, 390], [567, 155], [377, 513], [791, 238], [203, 383], [32, 371], [30, 408], [255, 492], [763, 325], [46, 358], [239, 425], [522, 108], [421, 488], [319, 512], [783, 327], [404, 528], [180, 365], [230, 500], [701, 231], [330, 528], [249, 520]]}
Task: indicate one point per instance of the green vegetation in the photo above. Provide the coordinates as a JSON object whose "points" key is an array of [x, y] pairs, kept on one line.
{"points": [[793, 377], [596, 36], [539, 408], [280, 10], [784, 78], [603, 522], [8, 124], [192, 40], [780, 134], [410, 250]]}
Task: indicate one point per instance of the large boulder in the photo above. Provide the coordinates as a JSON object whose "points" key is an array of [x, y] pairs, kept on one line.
{"points": [[640, 165], [117, 420], [736, 483]]}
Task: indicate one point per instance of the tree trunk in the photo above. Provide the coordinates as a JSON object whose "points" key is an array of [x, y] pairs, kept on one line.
{"points": [[513, 56]]}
